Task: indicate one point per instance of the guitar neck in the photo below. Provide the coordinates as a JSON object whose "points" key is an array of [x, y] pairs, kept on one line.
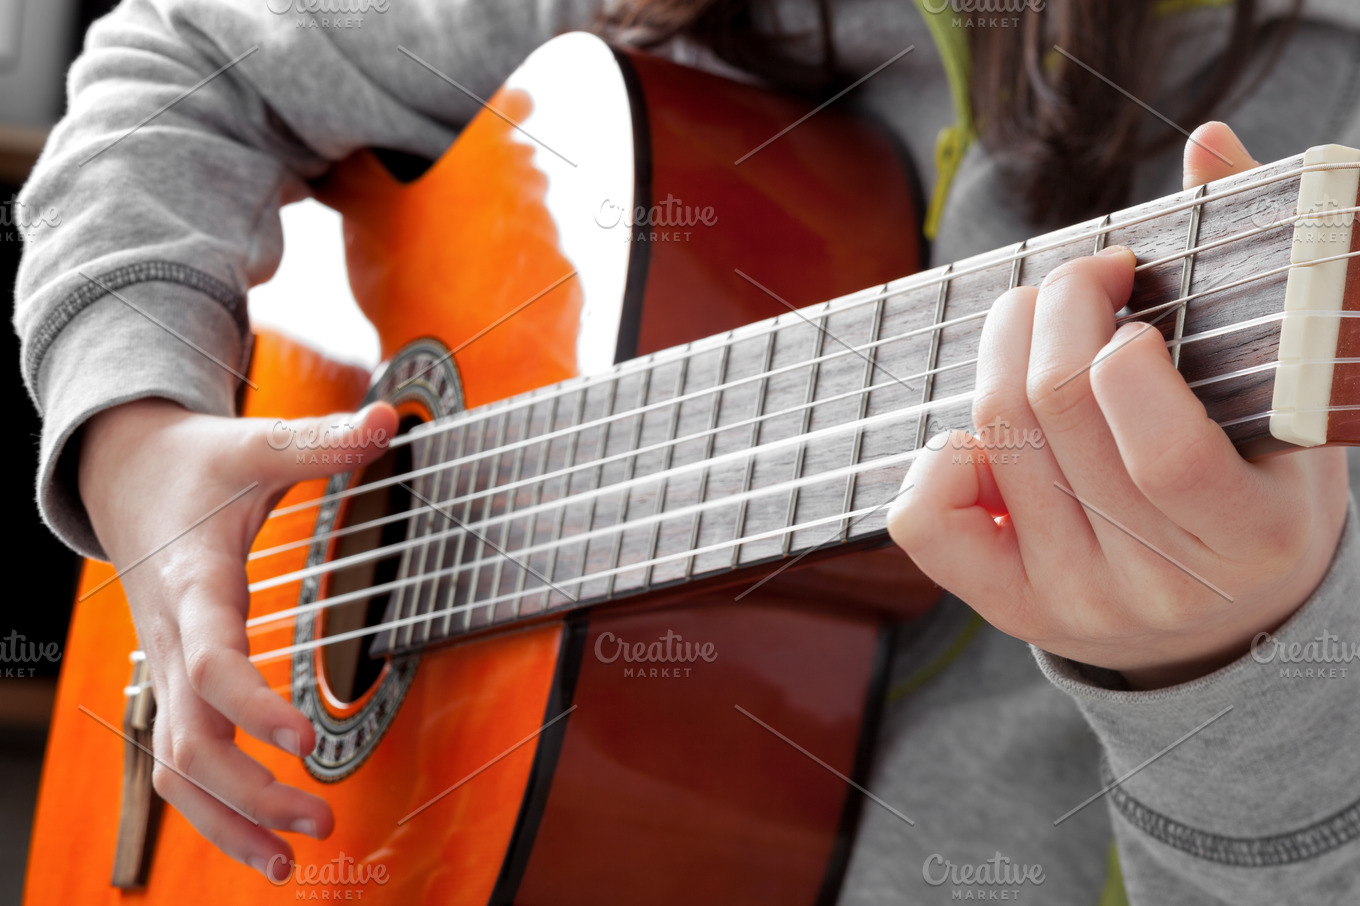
{"points": [[791, 436]]}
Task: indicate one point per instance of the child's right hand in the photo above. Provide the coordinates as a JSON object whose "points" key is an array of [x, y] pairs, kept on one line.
{"points": [[149, 470]]}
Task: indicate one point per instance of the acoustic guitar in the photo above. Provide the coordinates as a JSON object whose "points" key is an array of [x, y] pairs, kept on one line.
{"points": [[556, 637]]}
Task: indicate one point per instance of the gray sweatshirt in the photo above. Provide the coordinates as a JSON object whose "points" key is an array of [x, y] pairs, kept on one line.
{"points": [[987, 744]]}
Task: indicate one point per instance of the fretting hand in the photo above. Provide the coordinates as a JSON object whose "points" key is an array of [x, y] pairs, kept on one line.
{"points": [[1127, 437]]}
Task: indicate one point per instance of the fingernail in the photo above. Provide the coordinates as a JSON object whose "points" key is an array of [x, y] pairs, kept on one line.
{"points": [[305, 826], [288, 740], [1114, 250]]}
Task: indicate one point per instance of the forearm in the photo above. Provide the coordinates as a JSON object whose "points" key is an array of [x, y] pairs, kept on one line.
{"points": [[189, 126]]}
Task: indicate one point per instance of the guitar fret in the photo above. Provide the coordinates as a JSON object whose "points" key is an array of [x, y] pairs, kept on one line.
{"points": [[933, 357], [420, 515], [559, 513], [460, 544], [446, 625], [616, 545], [1187, 273], [762, 387], [435, 496], [1102, 236], [469, 590], [813, 370], [1017, 263], [875, 331], [716, 397], [672, 430], [601, 447], [517, 464], [535, 495], [502, 425], [457, 472]]}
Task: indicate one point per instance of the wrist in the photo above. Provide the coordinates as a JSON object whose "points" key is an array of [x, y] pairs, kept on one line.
{"points": [[109, 438], [1216, 647]]}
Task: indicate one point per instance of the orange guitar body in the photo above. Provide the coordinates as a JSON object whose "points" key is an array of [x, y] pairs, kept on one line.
{"points": [[655, 789]]}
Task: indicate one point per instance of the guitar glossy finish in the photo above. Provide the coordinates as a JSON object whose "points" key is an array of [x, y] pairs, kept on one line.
{"points": [[655, 790]]}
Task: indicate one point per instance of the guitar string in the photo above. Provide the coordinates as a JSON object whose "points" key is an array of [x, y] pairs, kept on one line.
{"points": [[598, 575], [733, 456], [1182, 254], [740, 455], [680, 513], [796, 439], [676, 401], [658, 447], [469, 606], [568, 470], [665, 445], [660, 476], [528, 401]]}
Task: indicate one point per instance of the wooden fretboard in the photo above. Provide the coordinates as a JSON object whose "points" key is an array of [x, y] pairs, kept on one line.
{"points": [[793, 435]]}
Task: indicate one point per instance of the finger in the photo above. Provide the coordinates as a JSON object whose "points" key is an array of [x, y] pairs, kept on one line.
{"points": [[285, 452], [246, 842], [1047, 526], [1181, 461], [212, 608], [943, 523], [1213, 152], [203, 750], [1073, 322]]}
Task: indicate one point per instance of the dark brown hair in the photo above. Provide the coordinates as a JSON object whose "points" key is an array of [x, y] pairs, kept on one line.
{"points": [[1069, 138]]}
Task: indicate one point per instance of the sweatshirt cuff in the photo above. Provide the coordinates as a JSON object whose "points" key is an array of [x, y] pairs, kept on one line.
{"points": [[151, 339], [1271, 777]]}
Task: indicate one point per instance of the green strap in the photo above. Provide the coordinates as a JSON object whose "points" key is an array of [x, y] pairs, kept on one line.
{"points": [[953, 141], [1113, 894]]}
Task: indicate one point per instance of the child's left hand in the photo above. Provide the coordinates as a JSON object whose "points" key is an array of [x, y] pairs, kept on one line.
{"points": [[1128, 439]]}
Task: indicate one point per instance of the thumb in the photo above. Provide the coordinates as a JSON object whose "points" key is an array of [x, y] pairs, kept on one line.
{"points": [[302, 449], [1213, 152]]}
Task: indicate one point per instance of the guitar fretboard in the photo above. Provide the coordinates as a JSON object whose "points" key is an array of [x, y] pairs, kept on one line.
{"points": [[792, 436]]}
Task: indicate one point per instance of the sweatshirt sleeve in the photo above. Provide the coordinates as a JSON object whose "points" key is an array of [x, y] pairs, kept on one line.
{"points": [[1256, 799], [189, 124]]}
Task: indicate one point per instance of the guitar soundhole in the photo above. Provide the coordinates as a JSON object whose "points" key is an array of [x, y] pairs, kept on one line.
{"points": [[349, 670], [350, 696]]}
